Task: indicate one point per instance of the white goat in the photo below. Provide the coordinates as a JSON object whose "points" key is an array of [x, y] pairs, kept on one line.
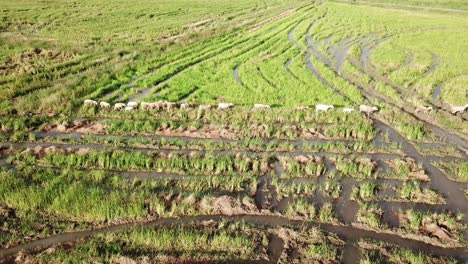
{"points": [[323, 108], [459, 109], [144, 105], [185, 106], [261, 106], [133, 105], [104, 105], [119, 106], [204, 107], [170, 105], [423, 109], [88, 102], [225, 105], [348, 110], [368, 109], [158, 105], [129, 108]]}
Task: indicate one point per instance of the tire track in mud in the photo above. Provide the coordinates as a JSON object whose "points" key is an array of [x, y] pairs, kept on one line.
{"points": [[452, 138], [342, 53], [405, 6], [263, 77], [293, 40], [347, 233], [409, 61], [368, 68], [371, 71], [438, 102], [286, 67], [236, 75], [449, 189], [434, 66]]}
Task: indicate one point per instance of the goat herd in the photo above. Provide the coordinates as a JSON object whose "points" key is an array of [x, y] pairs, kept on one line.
{"points": [[130, 106]]}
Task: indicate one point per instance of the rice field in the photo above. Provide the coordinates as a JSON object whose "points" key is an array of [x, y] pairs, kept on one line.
{"points": [[195, 131]]}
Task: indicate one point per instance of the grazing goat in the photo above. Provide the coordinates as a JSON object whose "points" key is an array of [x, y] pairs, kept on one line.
{"points": [[368, 109], [348, 110], [119, 106], [185, 106], [158, 105], [104, 105], [144, 105], [204, 107], [459, 109], [132, 105], [423, 109], [225, 105], [323, 108], [301, 107], [88, 102], [261, 106], [129, 108], [170, 105]]}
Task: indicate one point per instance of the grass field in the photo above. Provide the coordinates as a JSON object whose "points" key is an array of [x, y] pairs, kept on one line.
{"points": [[118, 143]]}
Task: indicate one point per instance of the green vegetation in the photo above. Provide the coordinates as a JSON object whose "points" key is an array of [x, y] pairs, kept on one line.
{"points": [[366, 191], [447, 228], [358, 168], [370, 215], [383, 252], [414, 193], [179, 241], [69, 164], [457, 171]]}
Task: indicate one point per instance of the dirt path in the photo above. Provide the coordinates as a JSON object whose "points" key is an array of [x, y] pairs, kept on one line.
{"points": [[351, 253], [348, 233]]}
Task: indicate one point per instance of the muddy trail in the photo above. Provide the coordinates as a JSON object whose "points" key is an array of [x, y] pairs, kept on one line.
{"points": [[450, 137], [293, 40], [439, 102], [347, 233], [368, 68], [372, 71], [364, 64], [351, 253], [440, 182], [437, 91], [341, 53], [236, 75], [449, 189], [286, 67], [436, 129]]}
